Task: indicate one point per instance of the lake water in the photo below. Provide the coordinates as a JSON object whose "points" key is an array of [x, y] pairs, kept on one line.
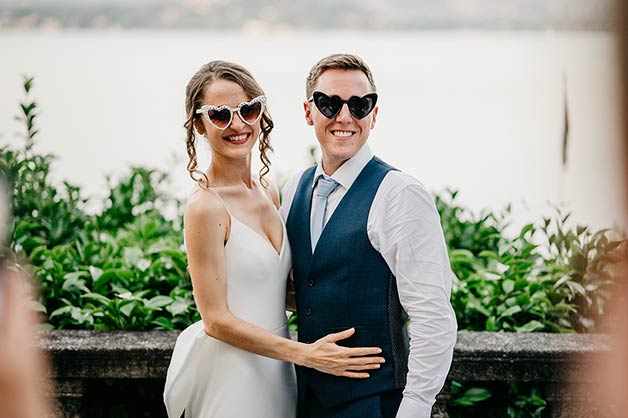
{"points": [[481, 112]]}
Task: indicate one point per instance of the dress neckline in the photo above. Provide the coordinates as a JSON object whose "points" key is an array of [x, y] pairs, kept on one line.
{"points": [[260, 235]]}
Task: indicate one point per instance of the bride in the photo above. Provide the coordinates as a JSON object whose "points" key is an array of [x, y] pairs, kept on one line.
{"points": [[236, 362]]}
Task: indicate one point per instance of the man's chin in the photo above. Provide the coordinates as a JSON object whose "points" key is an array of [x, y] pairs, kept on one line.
{"points": [[341, 153]]}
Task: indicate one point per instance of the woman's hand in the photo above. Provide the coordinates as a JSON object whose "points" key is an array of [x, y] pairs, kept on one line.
{"points": [[328, 357]]}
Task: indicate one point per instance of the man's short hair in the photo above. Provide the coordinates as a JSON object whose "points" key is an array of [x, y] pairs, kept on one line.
{"points": [[337, 62]]}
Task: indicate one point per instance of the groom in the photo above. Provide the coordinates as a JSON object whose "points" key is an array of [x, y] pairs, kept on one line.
{"points": [[368, 252]]}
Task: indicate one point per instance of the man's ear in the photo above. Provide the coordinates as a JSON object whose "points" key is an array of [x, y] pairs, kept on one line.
{"points": [[373, 119], [308, 113]]}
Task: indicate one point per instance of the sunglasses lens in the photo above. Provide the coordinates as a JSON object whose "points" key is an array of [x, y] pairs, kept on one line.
{"points": [[360, 107], [250, 112], [220, 118], [328, 106]]}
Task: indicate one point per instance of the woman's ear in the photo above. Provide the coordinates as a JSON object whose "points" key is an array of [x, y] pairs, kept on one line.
{"points": [[200, 129]]}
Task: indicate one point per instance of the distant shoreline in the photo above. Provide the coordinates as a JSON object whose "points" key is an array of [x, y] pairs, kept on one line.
{"points": [[290, 16]]}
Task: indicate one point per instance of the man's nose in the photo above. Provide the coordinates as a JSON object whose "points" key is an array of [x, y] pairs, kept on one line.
{"points": [[344, 115]]}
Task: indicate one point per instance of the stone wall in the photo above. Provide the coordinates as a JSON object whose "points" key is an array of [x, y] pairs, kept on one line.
{"points": [[83, 360]]}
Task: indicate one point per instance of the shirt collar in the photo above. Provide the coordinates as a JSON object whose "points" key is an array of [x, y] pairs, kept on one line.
{"points": [[349, 170]]}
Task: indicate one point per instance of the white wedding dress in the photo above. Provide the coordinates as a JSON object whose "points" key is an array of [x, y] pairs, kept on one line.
{"points": [[209, 378]]}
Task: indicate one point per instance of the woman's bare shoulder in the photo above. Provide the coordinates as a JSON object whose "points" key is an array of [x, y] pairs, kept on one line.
{"points": [[272, 191], [204, 205]]}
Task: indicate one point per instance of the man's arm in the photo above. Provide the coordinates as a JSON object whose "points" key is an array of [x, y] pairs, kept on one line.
{"points": [[404, 226]]}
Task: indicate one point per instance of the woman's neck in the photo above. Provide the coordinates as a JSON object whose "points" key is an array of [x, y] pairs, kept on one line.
{"points": [[230, 172]]}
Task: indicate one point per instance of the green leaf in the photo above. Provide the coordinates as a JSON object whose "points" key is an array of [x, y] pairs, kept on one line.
{"points": [[163, 323], [125, 295], [477, 394], [95, 272], [492, 255], [97, 298], [472, 397], [143, 264], [508, 286], [127, 308], [114, 274], [461, 254], [563, 307], [75, 275], [74, 283], [61, 311], [538, 296], [578, 260], [456, 386], [521, 284], [511, 311], [491, 324], [523, 299], [526, 229], [133, 255], [36, 306], [159, 301], [82, 316], [530, 327], [576, 288], [527, 250], [150, 228], [177, 307], [24, 228]]}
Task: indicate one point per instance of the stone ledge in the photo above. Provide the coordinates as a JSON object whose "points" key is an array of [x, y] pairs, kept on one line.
{"points": [[533, 357], [555, 361], [478, 356], [108, 354]]}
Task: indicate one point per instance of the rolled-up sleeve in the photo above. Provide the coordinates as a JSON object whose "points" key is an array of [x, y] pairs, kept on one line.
{"points": [[404, 226]]}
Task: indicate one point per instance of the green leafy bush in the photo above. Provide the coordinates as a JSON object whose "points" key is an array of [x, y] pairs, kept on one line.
{"points": [[122, 268], [548, 278], [511, 400], [125, 267]]}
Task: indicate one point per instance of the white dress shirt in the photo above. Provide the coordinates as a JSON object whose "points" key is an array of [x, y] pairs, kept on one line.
{"points": [[404, 227]]}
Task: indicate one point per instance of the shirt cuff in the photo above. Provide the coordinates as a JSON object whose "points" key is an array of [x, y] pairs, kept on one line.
{"points": [[412, 408]]}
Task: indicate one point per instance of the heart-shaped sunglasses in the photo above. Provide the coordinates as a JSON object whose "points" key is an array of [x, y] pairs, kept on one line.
{"points": [[222, 116], [359, 107]]}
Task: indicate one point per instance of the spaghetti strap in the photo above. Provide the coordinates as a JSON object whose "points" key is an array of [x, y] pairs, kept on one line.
{"points": [[221, 200], [259, 234], [231, 217]]}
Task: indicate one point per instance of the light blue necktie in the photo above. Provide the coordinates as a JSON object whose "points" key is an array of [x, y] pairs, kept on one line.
{"points": [[323, 189]]}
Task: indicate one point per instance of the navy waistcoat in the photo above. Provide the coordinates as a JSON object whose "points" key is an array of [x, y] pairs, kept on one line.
{"points": [[346, 283]]}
